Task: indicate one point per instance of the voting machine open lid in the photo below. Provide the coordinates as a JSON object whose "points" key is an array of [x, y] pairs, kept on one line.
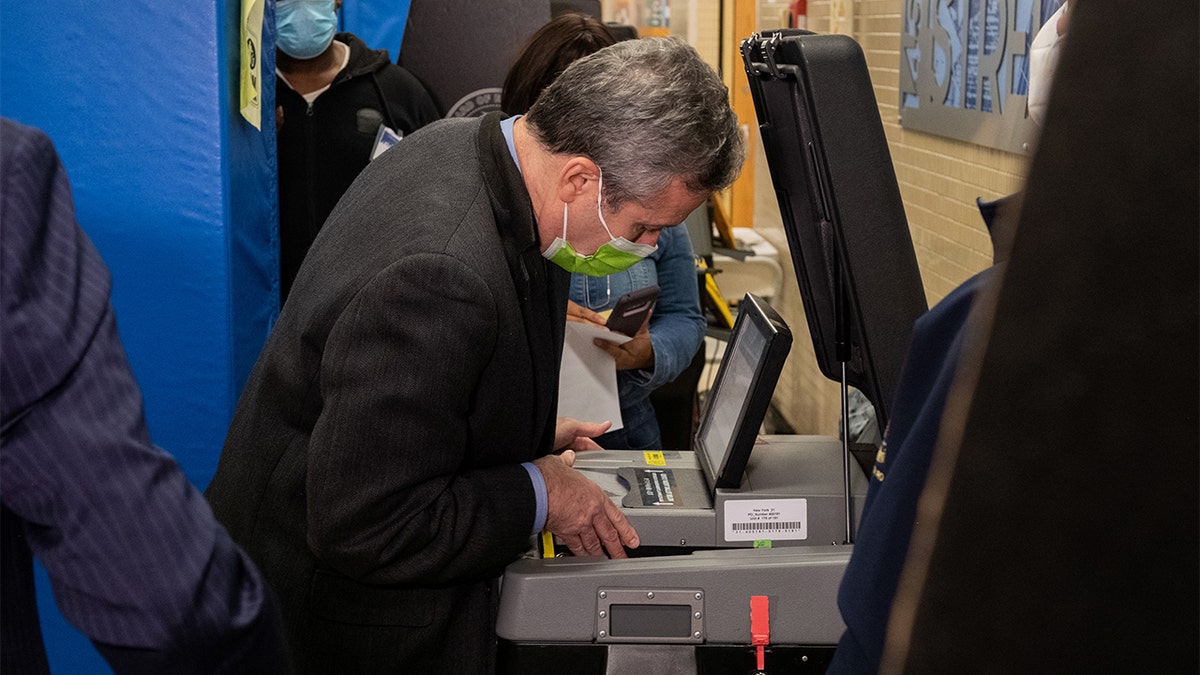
{"points": [[840, 202]]}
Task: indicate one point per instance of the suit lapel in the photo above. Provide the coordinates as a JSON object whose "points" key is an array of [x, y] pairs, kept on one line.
{"points": [[541, 286]]}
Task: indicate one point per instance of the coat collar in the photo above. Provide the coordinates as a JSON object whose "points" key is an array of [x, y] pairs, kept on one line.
{"points": [[541, 286]]}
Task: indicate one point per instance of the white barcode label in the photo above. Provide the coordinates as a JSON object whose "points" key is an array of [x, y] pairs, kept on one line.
{"points": [[754, 519], [786, 526]]}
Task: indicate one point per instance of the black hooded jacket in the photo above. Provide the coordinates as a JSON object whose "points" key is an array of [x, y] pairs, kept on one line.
{"points": [[324, 146]]}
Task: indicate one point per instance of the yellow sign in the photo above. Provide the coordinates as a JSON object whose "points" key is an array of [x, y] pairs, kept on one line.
{"points": [[654, 458], [251, 37]]}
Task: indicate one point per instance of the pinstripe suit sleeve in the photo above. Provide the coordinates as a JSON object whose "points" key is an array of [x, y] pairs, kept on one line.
{"points": [[136, 560]]}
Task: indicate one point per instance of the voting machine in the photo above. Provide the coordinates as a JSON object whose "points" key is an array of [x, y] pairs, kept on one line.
{"points": [[733, 588], [736, 488]]}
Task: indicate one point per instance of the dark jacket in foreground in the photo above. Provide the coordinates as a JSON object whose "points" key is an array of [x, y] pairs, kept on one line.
{"points": [[135, 558], [324, 146], [372, 468]]}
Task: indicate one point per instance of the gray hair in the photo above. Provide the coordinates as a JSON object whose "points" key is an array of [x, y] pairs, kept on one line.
{"points": [[647, 112]]}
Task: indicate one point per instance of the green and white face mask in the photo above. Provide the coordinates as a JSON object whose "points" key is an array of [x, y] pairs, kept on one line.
{"points": [[618, 255]]}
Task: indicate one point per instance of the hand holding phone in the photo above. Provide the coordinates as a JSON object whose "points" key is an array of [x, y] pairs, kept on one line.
{"points": [[632, 309]]}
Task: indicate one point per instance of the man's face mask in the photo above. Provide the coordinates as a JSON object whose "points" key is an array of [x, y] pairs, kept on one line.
{"points": [[305, 27], [618, 255]]}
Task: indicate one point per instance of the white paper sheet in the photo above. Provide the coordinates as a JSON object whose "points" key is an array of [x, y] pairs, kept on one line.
{"points": [[587, 381]]}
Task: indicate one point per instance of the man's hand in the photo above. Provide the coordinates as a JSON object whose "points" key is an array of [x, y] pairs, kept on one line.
{"points": [[637, 353], [571, 434], [581, 514]]}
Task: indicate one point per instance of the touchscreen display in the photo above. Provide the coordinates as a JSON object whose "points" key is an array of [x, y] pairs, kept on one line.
{"points": [[731, 393]]}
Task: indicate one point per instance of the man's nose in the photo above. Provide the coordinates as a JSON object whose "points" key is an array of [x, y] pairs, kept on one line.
{"points": [[649, 237]]}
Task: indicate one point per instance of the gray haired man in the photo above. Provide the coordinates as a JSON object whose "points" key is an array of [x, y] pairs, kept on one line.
{"points": [[396, 444]]}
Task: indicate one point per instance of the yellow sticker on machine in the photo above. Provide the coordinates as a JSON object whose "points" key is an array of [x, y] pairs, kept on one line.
{"points": [[654, 458]]}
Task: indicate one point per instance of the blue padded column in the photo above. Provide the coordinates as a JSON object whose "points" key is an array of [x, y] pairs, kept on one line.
{"points": [[176, 190], [379, 23]]}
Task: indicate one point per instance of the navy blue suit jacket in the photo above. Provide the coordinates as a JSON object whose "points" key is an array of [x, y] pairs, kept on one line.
{"points": [[135, 557], [890, 511]]}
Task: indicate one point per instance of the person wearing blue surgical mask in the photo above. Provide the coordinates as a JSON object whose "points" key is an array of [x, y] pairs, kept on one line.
{"points": [[336, 99]]}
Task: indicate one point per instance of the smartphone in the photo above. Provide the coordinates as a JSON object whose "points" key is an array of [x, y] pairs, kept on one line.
{"points": [[631, 310]]}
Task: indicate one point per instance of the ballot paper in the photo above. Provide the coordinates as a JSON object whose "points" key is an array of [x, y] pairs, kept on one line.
{"points": [[608, 481], [587, 381]]}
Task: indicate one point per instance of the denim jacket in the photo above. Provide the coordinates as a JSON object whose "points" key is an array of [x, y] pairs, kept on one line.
{"points": [[676, 327]]}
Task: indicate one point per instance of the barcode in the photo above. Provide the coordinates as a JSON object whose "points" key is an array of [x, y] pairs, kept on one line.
{"points": [[765, 526]]}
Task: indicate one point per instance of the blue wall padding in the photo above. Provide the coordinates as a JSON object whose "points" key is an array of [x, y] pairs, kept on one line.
{"points": [[379, 23], [176, 190], [252, 209]]}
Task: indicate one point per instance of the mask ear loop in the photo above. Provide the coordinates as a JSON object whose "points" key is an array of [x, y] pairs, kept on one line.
{"points": [[564, 234], [599, 199]]}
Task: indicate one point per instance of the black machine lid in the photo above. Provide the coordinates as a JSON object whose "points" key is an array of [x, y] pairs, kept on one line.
{"points": [[841, 206]]}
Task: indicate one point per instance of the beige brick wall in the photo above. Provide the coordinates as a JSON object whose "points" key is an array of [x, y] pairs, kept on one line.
{"points": [[939, 181]]}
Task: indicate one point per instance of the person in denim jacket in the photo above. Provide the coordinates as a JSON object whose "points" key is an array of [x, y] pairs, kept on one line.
{"points": [[661, 350]]}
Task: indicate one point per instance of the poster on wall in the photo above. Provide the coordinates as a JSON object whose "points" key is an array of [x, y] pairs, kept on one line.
{"points": [[656, 18], [251, 66], [964, 69]]}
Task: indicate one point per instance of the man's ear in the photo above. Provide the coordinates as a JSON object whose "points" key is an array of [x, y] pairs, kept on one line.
{"points": [[575, 176]]}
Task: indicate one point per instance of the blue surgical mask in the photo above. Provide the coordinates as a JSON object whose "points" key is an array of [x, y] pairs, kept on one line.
{"points": [[305, 27]]}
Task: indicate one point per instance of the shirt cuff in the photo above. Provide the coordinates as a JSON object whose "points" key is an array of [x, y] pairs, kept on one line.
{"points": [[539, 493]]}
